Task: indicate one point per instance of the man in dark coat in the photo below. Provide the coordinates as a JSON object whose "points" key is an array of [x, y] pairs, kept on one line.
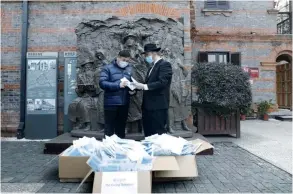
{"points": [[156, 92], [116, 94]]}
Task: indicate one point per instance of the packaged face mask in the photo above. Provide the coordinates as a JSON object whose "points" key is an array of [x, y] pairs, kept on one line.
{"points": [[114, 154], [94, 162], [120, 156], [109, 168], [158, 145]]}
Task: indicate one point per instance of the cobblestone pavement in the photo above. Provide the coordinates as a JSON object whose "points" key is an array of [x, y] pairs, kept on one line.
{"points": [[270, 140], [25, 168]]}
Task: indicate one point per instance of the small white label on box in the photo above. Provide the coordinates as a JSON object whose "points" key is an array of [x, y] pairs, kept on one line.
{"points": [[119, 182]]}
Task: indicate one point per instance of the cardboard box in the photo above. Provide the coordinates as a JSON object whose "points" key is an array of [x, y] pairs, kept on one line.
{"points": [[187, 169], [203, 145], [144, 178], [73, 167]]}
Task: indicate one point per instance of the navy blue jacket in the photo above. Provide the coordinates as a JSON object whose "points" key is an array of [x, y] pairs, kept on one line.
{"points": [[110, 82]]}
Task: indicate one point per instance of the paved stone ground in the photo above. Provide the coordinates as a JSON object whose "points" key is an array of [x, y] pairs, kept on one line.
{"points": [[270, 140], [230, 169]]}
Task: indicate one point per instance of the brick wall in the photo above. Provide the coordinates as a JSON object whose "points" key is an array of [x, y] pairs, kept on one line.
{"points": [[51, 28], [10, 65], [235, 36], [246, 16]]}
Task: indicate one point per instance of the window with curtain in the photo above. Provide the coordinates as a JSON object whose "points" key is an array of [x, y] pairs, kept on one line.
{"points": [[219, 57], [221, 5]]}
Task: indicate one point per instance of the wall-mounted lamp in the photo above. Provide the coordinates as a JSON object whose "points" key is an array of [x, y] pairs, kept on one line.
{"points": [[253, 33]]}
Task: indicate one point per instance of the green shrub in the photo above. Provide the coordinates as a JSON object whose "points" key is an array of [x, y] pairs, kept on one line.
{"points": [[222, 88], [263, 107], [245, 110]]}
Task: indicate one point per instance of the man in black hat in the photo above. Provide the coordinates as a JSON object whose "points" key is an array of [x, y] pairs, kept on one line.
{"points": [[156, 92]]}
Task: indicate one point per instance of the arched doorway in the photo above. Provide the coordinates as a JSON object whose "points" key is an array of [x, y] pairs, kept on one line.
{"points": [[284, 81]]}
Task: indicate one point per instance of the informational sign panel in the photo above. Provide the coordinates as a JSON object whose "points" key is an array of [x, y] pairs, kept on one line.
{"points": [[41, 95], [254, 72], [41, 87], [69, 85]]}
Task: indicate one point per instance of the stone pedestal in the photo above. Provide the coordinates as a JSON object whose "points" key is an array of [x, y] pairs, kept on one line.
{"points": [[135, 136]]}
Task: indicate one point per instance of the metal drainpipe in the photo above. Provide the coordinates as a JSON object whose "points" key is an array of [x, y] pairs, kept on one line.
{"points": [[24, 37]]}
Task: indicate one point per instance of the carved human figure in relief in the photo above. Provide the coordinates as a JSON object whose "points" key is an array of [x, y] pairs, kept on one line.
{"points": [[87, 110], [81, 108], [131, 43], [178, 111], [100, 61]]}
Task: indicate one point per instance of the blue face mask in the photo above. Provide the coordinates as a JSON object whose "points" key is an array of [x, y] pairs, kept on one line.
{"points": [[149, 59]]}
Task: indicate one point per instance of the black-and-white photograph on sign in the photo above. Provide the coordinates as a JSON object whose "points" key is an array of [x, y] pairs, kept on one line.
{"points": [[41, 86], [30, 104], [41, 105], [71, 76], [48, 104]]}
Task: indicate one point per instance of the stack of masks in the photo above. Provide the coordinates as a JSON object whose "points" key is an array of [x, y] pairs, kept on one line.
{"points": [[83, 147], [167, 145], [112, 154], [115, 154]]}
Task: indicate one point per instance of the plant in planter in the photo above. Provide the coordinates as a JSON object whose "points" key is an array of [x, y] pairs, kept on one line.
{"points": [[251, 114], [263, 109], [244, 111], [223, 90]]}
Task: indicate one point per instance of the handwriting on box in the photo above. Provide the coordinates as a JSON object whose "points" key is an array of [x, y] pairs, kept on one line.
{"points": [[119, 182]]}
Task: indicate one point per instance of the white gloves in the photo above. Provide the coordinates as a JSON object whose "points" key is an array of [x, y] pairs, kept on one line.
{"points": [[140, 86]]}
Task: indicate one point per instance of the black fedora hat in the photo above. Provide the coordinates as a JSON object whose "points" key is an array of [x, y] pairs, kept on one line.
{"points": [[151, 48]]}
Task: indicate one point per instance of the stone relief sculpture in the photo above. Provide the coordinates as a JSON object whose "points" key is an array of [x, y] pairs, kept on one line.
{"points": [[99, 62], [178, 111], [132, 42], [98, 43], [81, 109], [87, 111], [131, 39]]}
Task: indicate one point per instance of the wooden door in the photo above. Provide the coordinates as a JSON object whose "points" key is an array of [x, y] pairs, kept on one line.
{"points": [[284, 85]]}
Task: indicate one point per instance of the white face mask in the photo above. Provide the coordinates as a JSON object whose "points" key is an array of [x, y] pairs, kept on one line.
{"points": [[122, 64]]}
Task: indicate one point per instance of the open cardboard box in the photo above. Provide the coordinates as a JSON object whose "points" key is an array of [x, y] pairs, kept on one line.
{"points": [[73, 167], [165, 168], [143, 178]]}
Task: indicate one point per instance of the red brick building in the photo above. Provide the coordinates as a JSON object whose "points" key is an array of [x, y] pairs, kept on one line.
{"points": [[242, 32]]}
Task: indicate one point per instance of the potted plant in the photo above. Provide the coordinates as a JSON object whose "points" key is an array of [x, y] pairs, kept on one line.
{"points": [[244, 111], [242, 117], [222, 91], [251, 114], [263, 109]]}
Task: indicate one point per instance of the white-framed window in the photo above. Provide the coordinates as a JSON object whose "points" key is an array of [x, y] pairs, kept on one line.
{"points": [[219, 57]]}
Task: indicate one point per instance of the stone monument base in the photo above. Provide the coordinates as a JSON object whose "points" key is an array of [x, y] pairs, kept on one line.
{"points": [[100, 135], [134, 136], [62, 142]]}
